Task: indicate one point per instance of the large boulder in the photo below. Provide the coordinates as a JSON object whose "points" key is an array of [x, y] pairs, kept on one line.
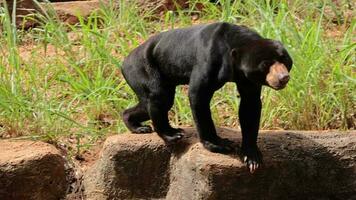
{"points": [[297, 165], [31, 170], [24, 8], [161, 6], [133, 167], [69, 12]]}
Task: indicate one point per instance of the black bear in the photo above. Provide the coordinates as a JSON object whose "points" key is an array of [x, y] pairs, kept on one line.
{"points": [[205, 57]]}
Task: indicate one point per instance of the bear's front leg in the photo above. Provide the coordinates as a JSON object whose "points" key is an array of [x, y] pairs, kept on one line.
{"points": [[249, 115], [160, 101], [200, 94], [252, 157]]}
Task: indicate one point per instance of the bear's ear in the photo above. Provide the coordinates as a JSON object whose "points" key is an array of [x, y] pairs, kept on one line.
{"points": [[233, 53], [279, 47], [277, 43]]}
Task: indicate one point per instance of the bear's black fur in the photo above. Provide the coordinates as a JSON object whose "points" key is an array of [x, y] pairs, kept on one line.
{"points": [[205, 57]]}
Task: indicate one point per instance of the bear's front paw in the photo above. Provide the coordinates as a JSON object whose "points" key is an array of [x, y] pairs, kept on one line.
{"points": [[143, 129], [222, 145], [252, 157], [172, 135]]}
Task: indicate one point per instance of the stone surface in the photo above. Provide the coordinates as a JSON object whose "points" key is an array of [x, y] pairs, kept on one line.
{"points": [[129, 168], [298, 165], [31, 170], [23, 8], [159, 6], [68, 12]]}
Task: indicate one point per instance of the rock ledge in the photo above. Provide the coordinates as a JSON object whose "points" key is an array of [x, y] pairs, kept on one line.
{"points": [[31, 170], [297, 165]]}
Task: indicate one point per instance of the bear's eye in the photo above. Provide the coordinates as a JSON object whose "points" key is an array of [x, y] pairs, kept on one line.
{"points": [[283, 57], [267, 63]]}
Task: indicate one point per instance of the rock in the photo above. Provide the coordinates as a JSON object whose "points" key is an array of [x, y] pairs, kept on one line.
{"points": [[158, 6], [130, 166], [297, 166], [23, 8], [172, 4], [31, 170], [68, 12], [161, 6]]}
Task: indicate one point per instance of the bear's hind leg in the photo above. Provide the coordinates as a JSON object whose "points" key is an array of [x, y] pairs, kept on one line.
{"points": [[133, 118]]}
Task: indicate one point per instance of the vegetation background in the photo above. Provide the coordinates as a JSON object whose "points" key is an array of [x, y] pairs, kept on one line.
{"points": [[62, 83]]}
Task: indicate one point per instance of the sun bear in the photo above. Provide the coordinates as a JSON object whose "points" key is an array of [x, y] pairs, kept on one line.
{"points": [[205, 57]]}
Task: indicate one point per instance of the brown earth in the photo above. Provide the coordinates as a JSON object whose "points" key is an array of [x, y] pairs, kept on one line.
{"points": [[298, 165]]}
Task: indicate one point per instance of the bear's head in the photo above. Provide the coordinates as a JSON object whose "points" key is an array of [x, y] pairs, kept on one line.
{"points": [[267, 62]]}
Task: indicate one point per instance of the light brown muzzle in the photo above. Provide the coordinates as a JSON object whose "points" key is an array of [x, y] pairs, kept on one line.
{"points": [[278, 76]]}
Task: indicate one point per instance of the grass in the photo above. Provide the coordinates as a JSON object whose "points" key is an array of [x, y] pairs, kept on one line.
{"points": [[67, 85]]}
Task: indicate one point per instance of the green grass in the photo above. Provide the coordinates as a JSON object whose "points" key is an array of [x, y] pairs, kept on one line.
{"points": [[70, 75]]}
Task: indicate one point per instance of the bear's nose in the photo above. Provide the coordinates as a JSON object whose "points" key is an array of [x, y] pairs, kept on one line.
{"points": [[283, 78]]}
